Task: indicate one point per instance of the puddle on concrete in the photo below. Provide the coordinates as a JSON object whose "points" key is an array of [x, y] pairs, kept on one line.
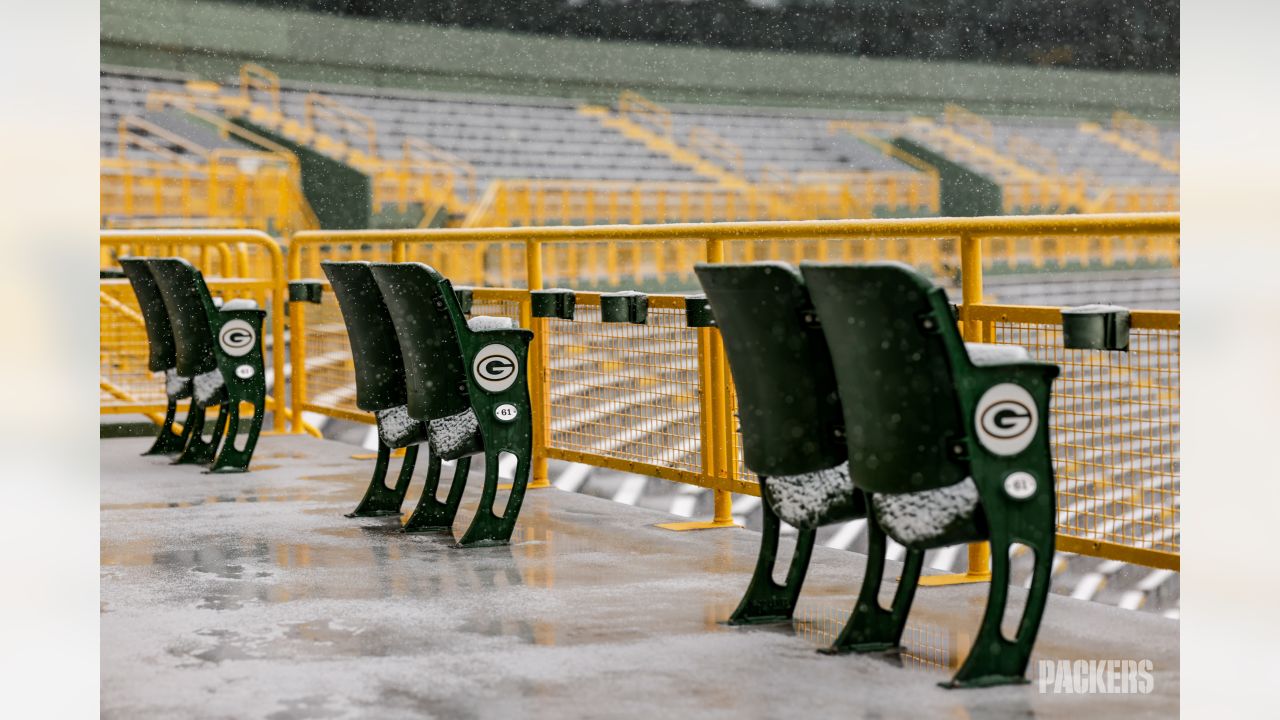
{"points": [[284, 454], [245, 496]]}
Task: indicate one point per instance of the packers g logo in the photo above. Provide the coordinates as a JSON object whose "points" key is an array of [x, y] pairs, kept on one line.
{"points": [[237, 338], [1006, 418], [495, 368]]}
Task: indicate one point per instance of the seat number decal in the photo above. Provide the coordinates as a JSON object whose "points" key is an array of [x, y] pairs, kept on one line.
{"points": [[1020, 485]]}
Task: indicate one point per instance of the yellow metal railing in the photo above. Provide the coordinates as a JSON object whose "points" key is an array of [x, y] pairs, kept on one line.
{"points": [[1115, 432], [1022, 147], [236, 263], [225, 191], [1140, 130], [255, 77], [259, 189], [970, 122], [523, 203], [641, 110], [355, 126], [459, 175], [710, 144], [657, 399]]}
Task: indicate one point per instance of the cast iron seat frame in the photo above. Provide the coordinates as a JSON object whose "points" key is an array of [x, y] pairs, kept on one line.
{"points": [[928, 414], [381, 390], [791, 428], [452, 370], [221, 345]]}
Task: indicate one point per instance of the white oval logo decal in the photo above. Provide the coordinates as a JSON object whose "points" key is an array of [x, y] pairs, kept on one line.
{"points": [[506, 412], [495, 368], [244, 372], [1006, 418], [237, 338], [1020, 485]]}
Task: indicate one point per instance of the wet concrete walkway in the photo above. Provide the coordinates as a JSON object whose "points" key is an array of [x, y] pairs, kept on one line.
{"points": [[251, 596]]}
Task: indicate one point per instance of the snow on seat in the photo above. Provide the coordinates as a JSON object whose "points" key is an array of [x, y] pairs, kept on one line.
{"points": [[207, 387], [928, 515], [239, 304], [989, 354], [482, 323], [396, 429], [804, 500], [456, 434], [176, 386]]}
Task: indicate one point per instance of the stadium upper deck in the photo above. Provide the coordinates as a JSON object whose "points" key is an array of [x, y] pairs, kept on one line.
{"points": [[774, 153]]}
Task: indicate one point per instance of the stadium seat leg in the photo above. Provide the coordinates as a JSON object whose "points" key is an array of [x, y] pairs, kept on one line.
{"points": [[487, 528], [167, 441], [765, 600], [432, 514], [232, 459], [379, 500], [200, 451], [871, 627], [995, 659]]}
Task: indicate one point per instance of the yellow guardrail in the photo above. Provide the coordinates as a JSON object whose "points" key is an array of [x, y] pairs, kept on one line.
{"points": [[963, 118], [223, 190], [636, 107], [657, 399], [354, 124], [710, 144], [237, 263], [255, 77], [522, 203], [1115, 431]]}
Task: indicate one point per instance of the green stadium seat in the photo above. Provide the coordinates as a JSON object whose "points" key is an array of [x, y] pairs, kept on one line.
{"points": [[161, 356], [220, 349], [792, 431], [380, 389], [950, 444], [468, 382]]}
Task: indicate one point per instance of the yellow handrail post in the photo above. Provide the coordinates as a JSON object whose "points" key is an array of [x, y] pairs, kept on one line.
{"points": [[971, 294], [297, 347], [539, 375], [726, 463]]}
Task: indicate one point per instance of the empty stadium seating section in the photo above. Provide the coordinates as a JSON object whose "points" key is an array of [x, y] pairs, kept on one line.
{"points": [[514, 161]]}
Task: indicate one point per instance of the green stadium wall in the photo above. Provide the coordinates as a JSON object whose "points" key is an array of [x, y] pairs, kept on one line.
{"points": [[212, 39], [962, 192], [340, 195]]}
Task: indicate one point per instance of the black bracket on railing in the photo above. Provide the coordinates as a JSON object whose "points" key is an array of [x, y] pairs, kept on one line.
{"points": [[466, 297], [697, 312], [306, 291], [627, 306], [553, 303], [1096, 327]]}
